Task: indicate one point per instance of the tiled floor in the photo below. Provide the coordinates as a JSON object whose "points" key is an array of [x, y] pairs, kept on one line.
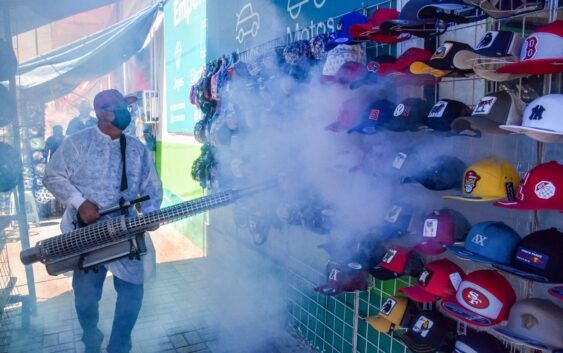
{"points": [[178, 315]]}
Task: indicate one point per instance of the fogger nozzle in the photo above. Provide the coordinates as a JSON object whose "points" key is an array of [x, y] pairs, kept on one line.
{"points": [[31, 255]]}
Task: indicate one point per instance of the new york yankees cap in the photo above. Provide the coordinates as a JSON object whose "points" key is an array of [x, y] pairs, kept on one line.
{"points": [[441, 228], [397, 261], [479, 342], [483, 298], [488, 242], [536, 323], [542, 119], [430, 331], [493, 110], [442, 173], [489, 179], [438, 279], [540, 189], [396, 312], [444, 112], [541, 53], [538, 257], [410, 114]]}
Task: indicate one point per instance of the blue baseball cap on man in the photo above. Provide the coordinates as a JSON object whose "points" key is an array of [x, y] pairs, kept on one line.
{"points": [[488, 242], [343, 35]]}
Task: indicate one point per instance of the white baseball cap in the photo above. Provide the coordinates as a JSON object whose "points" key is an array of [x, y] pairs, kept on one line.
{"points": [[542, 119]]}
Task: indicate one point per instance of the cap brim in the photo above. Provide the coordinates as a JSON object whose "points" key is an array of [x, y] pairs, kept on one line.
{"points": [[453, 308], [516, 338], [521, 273], [533, 67], [328, 290], [423, 68], [469, 198], [418, 294], [522, 205], [482, 124], [383, 273], [363, 30], [464, 59], [415, 346], [429, 248], [460, 252], [537, 134], [379, 323]]}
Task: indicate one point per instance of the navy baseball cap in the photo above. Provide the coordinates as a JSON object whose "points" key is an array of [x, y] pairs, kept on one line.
{"points": [[343, 35], [538, 257], [444, 112], [429, 332], [375, 116], [410, 114], [444, 173], [488, 242], [479, 342], [493, 44]]}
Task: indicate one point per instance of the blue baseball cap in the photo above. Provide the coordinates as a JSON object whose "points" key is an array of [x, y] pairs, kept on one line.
{"points": [[488, 242], [377, 114], [343, 35]]}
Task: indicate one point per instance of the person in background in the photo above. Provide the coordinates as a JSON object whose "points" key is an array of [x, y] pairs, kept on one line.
{"points": [[92, 170], [53, 142], [83, 120]]}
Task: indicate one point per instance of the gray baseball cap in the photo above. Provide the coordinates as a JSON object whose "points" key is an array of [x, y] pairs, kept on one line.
{"points": [[536, 323]]}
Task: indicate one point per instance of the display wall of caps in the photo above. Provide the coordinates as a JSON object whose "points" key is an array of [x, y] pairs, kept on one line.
{"points": [[519, 72]]}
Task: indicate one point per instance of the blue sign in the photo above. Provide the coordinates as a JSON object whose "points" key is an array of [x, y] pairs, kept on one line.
{"points": [[185, 28]]}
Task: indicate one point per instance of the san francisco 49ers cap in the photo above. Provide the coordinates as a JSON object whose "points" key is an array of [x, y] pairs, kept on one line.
{"points": [[538, 257], [489, 179], [488, 242], [536, 323], [439, 279], [542, 119], [483, 298], [542, 52], [540, 189]]}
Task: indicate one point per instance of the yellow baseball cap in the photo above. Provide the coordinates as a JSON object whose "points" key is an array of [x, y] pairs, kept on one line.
{"points": [[391, 314], [490, 179]]}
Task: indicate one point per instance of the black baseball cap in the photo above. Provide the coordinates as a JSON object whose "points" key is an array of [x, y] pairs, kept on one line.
{"points": [[429, 332], [444, 173], [409, 22], [444, 112], [538, 257], [377, 114], [397, 262], [442, 61], [479, 342], [410, 114]]}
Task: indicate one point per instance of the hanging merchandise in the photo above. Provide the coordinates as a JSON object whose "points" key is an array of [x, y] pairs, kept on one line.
{"points": [[536, 323], [397, 262], [489, 179], [442, 173], [542, 119], [371, 31], [538, 257], [343, 35], [507, 8], [343, 278], [374, 117], [542, 52], [441, 64], [440, 229], [494, 49], [483, 298], [430, 331], [438, 280], [479, 342], [493, 110], [488, 242], [10, 167], [344, 62], [541, 189], [409, 115], [444, 112], [395, 313]]}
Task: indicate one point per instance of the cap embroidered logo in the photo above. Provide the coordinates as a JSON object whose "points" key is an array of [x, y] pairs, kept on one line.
{"points": [[531, 44], [532, 258], [374, 114], [475, 298], [537, 113], [430, 228], [442, 51], [487, 40], [425, 277], [373, 66], [470, 181], [389, 256], [485, 105], [438, 110], [333, 275], [388, 306], [423, 326], [479, 239], [545, 190], [402, 110]]}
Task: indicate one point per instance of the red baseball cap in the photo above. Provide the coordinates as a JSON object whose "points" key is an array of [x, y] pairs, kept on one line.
{"points": [[404, 61], [396, 262], [540, 189], [370, 30], [441, 228], [484, 298], [439, 278], [541, 53]]}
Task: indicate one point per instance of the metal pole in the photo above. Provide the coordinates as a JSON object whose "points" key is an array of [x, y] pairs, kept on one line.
{"points": [[21, 213]]}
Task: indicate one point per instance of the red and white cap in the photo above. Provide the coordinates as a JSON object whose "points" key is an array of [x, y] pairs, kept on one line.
{"points": [[540, 189], [541, 53], [484, 298], [439, 279], [542, 119]]}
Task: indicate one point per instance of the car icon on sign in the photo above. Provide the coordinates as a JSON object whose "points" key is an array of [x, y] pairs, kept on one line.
{"points": [[248, 23]]}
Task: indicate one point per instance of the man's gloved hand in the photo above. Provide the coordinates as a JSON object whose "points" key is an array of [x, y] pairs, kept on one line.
{"points": [[88, 211]]}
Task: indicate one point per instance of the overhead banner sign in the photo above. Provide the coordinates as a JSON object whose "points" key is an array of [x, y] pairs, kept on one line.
{"points": [[185, 28]]}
